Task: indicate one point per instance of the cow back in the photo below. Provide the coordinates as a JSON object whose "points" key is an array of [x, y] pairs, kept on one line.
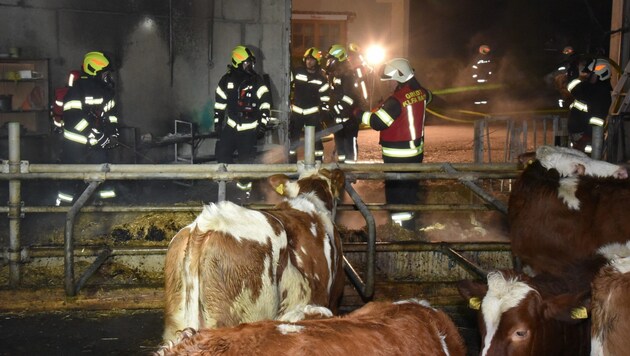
{"points": [[217, 278], [234, 265], [547, 235], [380, 328], [314, 272]]}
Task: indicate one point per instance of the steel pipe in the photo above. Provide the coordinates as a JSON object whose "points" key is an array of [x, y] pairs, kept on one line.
{"points": [[349, 247], [69, 236], [365, 289], [15, 203], [480, 192], [257, 206], [156, 171], [309, 147]]}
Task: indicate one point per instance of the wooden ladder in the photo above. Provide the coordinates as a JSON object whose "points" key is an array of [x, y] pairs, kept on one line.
{"points": [[620, 97], [614, 140]]}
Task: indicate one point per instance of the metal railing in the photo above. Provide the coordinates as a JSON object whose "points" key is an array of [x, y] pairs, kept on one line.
{"points": [[15, 171], [517, 135]]}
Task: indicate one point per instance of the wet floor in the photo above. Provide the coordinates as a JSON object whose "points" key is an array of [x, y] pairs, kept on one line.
{"points": [[81, 333], [116, 333]]}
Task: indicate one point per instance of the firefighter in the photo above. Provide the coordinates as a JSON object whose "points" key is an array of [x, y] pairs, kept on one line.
{"points": [[591, 102], [482, 73], [310, 100], [241, 111], [90, 123], [400, 121], [344, 99], [360, 69]]}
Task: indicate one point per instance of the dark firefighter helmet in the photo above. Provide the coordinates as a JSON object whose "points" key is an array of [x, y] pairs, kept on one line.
{"points": [[601, 67]]}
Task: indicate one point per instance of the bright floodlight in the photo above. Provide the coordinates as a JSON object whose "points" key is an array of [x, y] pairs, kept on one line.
{"points": [[375, 55]]}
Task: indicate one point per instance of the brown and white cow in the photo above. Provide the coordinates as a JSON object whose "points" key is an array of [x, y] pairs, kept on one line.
{"points": [[611, 303], [378, 328], [234, 265], [522, 315], [547, 234]]}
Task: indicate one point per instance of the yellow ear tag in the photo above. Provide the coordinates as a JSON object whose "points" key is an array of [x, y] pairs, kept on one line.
{"points": [[280, 189], [474, 303], [579, 313]]}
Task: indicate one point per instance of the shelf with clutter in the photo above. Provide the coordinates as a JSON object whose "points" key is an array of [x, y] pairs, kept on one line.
{"points": [[24, 94]]}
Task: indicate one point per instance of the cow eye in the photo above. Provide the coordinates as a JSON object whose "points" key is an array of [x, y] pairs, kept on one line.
{"points": [[521, 334]]}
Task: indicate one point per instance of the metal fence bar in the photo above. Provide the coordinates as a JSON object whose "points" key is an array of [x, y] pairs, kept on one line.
{"points": [[365, 289]]}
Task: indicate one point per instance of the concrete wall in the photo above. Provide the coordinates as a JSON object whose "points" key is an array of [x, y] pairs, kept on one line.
{"points": [[153, 88]]}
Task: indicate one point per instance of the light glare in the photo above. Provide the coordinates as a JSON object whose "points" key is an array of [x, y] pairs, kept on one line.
{"points": [[375, 55]]}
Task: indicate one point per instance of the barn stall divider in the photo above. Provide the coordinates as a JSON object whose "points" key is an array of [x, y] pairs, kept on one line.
{"points": [[519, 133], [439, 263]]}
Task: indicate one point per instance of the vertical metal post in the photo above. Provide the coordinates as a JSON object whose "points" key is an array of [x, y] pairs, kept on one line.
{"points": [[524, 140], [15, 204], [309, 147], [222, 185], [564, 131], [597, 142], [535, 134], [478, 141]]}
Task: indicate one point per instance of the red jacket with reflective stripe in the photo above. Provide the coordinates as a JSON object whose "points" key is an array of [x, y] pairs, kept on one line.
{"points": [[409, 125]]}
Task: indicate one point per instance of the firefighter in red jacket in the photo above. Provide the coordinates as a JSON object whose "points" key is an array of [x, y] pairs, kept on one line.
{"points": [[90, 122], [241, 111], [400, 121], [310, 99]]}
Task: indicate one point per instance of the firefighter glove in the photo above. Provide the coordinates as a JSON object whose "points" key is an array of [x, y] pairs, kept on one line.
{"points": [[111, 142], [218, 129], [260, 130]]}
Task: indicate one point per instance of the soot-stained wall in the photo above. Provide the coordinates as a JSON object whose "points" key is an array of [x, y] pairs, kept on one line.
{"points": [[168, 54]]}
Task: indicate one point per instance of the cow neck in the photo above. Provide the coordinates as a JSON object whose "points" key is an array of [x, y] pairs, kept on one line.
{"points": [[275, 217], [313, 198]]}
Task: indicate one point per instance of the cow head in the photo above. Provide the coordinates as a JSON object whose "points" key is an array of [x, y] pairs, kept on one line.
{"points": [[573, 163], [515, 318], [326, 185]]}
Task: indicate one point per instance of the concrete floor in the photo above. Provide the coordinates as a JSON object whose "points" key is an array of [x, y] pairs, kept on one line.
{"points": [[130, 332]]}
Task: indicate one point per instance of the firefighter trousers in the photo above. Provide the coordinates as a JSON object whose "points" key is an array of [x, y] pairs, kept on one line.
{"points": [[296, 127], [241, 142], [346, 141]]}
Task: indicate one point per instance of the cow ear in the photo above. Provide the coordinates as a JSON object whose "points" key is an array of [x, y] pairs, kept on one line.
{"points": [[473, 292], [337, 181], [279, 183], [580, 170], [570, 308]]}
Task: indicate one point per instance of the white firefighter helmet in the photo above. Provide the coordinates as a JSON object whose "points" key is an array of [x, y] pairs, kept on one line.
{"points": [[601, 67], [397, 69]]}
